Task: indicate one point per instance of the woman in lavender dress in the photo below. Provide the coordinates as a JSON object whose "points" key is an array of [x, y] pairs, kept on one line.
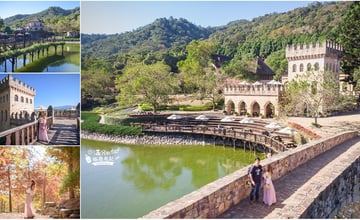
{"points": [[29, 208], [43, 128], [269, 190]]}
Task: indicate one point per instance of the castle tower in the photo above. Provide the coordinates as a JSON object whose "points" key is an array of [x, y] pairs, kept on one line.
{"points": [[16, 100], [318, 57]]}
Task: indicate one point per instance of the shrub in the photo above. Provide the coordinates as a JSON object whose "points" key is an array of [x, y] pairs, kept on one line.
{"points": [[91, 124]]}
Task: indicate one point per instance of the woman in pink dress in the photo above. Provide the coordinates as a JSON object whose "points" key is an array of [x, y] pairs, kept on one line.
{"points": [[43, 128], [29, 208], [269, 190]]}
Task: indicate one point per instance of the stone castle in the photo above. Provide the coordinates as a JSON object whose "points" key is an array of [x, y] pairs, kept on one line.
{"points": [[16, 102], [262, 98]]}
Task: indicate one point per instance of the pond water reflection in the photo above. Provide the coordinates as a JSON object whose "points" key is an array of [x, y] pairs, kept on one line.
{"points": [[120, 181]]}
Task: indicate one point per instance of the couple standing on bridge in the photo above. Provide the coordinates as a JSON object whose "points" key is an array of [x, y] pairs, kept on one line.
{"points": [[255, 178]]}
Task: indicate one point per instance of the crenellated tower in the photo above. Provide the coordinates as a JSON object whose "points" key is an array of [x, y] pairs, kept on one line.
{"points": [[16, 99], [317, 57]]}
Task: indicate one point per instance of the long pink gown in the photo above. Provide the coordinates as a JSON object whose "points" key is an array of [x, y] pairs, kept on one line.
{"points": [[29, 208], [269, 194], [43, 131]]}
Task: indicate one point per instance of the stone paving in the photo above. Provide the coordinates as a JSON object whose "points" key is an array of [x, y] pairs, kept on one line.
{"points": [[63, 132], [296, 184]]}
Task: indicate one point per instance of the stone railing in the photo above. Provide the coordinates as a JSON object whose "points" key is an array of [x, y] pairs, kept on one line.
{"points": [[24, 134], [215, 198]]}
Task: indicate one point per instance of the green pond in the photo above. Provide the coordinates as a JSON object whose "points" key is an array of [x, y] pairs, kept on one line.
{"points": [[129, 181], [70, 62]]}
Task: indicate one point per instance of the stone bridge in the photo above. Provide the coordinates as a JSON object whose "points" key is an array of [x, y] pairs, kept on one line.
{"points": [[312, 181]]}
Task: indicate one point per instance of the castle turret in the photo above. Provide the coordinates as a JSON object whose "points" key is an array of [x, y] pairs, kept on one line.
{"points": [[317, 57], [16, 97]]}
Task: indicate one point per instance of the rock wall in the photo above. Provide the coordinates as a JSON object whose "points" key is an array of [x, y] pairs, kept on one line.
{"points": [[215, 198], [343, 190]]}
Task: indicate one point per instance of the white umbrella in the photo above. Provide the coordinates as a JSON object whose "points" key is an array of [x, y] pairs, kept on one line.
{"points": [[287, 130], [174, 117], [202, 118], [228, 119], [245, 83], [274, 82], [273, 125], [257, 83], [246, 121]]}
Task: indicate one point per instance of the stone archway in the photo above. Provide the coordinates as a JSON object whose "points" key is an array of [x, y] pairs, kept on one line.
{"points": [[230, 107], [269, 110], [242, 108], [255, 109]]}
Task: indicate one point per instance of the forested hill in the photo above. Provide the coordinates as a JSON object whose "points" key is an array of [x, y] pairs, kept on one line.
{"points": [[271, 32], [162, 34], [52, 16], [259, 37]]}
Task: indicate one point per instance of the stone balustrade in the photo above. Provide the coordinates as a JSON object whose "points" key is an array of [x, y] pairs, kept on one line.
{"points": [[215, 198], [25, 134]]}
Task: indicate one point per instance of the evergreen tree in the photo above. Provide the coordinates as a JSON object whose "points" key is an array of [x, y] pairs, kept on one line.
{"points": [[350, 40]]}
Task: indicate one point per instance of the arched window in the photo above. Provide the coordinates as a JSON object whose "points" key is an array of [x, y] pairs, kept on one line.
{"points": [[316, 66], [30, 101], [27, 100], [308, 67], [22, 99], [16, 98], [301, 67], [294, 68]]}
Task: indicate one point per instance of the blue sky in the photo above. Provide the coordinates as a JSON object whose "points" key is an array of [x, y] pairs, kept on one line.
{"points": [[11, 8], [109, 17], [52, 89]]}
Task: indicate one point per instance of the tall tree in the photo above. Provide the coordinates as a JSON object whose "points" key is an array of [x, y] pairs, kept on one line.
{"points": [[312, 93], [198, 58], [211, 84], [145, 84], [350, 40], [71, 157]]}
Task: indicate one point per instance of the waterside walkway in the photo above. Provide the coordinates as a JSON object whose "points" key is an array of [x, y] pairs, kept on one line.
{"points": [[297, 189]]}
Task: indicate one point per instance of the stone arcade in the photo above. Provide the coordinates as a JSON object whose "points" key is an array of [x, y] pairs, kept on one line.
{"points": [[262, 98]]}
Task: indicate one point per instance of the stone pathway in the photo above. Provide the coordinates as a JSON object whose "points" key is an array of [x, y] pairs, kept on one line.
{"points": [[13, 215], [293, 183], [63, 132]]}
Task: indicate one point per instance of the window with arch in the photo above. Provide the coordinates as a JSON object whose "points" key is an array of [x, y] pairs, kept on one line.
{"points": [[16, 98], [22, 99], [27, 100], [294, 68], [301, 67], [316, 66], [308, 67], [30, 101]]}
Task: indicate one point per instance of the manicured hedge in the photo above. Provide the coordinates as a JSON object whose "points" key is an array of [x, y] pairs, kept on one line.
{"points": [[91, 123]]}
